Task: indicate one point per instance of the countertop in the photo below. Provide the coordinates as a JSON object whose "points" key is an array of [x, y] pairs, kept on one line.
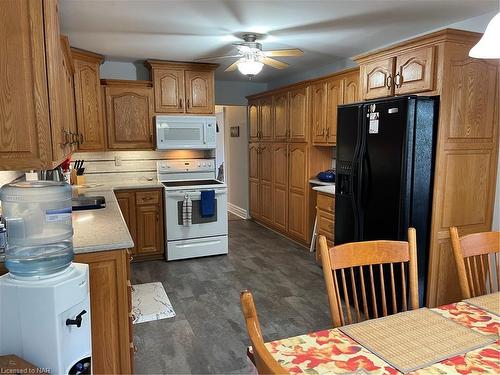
{"points": [[328, 189], [104, 229], [315, 181]]}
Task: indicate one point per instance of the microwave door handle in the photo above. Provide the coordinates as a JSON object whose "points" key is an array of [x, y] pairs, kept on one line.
{"points": [[205, 125]]}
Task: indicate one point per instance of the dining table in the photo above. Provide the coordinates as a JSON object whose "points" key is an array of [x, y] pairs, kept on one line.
{"points": [[333, 352]]}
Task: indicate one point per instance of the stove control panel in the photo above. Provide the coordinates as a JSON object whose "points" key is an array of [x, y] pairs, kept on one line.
{"points": [[185, 165]]}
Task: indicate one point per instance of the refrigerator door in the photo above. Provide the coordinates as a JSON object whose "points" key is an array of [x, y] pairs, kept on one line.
{"points": [[382, 169], [346, 205]]}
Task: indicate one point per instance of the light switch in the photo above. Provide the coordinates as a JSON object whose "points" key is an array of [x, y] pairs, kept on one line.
{"points": [[118, 161]]}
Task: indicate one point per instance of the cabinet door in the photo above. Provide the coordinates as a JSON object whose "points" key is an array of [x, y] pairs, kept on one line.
{"points": [[299, 115], [266, 119], [280, 186], [377, 78], [199, 91], [169, 90], [109, 308], [253, 120], [68, 104], [25, 141], [351, 88], [266, 182], [334, 99], [280, 114], [89, 110], [129, 113], [126, 201], [149, 230], [319, 112], [253, 159], [415, 71], [297, 217]]}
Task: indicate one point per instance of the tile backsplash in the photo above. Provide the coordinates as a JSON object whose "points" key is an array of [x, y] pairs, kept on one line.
{"points": [[9, 176], [102, 166]]}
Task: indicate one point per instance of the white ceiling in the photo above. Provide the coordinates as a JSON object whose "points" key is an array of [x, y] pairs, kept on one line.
{"points": [[326, 30]]}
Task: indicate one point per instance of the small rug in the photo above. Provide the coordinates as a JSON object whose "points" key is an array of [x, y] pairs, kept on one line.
{"points": [[150, 302]]}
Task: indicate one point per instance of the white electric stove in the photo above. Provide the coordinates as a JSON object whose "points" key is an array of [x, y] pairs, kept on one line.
{"points": [[196, 236]]}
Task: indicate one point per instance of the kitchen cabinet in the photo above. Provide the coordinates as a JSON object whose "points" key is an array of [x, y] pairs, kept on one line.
{"points": [[129, 113], [467, 137], [327, 95], [266, 119], [297, 205], [253, 120], [298, 114], [325, 216], [253, 177], [110, 304], [89, 102], [183, 88], [406, 72], [280, 116], [142, 210], [35, 119], [265, 153], [280, 186]]}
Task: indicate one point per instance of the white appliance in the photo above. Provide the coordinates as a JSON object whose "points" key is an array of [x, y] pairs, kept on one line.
{"points": [[203, 236], [46, 320], [185, 132]]}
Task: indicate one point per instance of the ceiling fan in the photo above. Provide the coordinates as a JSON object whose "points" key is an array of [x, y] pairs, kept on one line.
{"points": [[251, 57]]}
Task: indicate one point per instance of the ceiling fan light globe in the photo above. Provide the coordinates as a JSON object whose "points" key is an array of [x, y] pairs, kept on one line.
{"points": [[488, 46], [250, 68]]}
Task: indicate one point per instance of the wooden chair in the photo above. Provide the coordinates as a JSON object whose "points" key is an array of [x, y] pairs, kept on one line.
{"points": [[265, 362], [368, 264], [477, 257]]}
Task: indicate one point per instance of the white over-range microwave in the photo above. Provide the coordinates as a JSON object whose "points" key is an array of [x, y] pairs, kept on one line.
{"points": [[185, 132]]}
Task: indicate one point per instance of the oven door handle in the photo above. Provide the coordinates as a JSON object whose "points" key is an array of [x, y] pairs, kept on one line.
{"points": [[180, 194]]}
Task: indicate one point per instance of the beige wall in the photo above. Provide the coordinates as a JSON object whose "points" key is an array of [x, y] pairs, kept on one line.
{"points": [[236, 156]]}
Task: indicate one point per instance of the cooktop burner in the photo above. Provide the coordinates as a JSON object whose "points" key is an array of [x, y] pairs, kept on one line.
{"points": [[191, 183]]}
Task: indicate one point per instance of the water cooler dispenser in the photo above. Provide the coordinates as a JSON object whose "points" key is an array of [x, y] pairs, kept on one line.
{"points": [[44, 299]]}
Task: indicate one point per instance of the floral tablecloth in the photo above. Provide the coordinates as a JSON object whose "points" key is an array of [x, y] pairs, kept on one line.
{"points": [[331, 351]]}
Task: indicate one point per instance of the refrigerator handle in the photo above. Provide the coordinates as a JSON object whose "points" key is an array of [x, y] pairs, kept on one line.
{"points": [[365, 180], [354, 178]]}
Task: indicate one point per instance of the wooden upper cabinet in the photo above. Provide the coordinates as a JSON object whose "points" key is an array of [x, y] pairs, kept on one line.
{"points": [[89, 108], [169, 90], [266, 119], [415, 71], [318, 108], [298, 114], [183, 87], [129, 111], [351, 88], [335, 95], [199, 92], [280, 116], [253, 120], [377, 78]]}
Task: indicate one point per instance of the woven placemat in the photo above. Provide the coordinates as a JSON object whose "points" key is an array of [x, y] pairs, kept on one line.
{"points": [[488, 302], [415, 339]]}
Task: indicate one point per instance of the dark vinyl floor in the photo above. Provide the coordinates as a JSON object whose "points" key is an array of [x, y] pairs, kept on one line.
{"points": [[208, 333]]}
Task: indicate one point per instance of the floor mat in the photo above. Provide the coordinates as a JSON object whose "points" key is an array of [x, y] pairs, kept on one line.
{"points": [[150, 302]]}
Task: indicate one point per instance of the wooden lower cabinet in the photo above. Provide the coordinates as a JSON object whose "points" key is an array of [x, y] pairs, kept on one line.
{"points": [[142, 210], [325, 216], [110, 304]]}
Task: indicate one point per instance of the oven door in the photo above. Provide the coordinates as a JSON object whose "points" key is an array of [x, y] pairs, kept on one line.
{"points": [[200, 226], [185, 132]]}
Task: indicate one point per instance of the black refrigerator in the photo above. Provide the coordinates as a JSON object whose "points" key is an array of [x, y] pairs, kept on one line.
{"points": [[385, 162]]}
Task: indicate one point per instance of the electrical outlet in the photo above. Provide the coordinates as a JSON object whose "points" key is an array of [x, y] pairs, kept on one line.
{"points": [[118, 161]]}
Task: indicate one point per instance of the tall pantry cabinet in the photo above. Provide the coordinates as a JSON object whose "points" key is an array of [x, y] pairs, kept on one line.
{"points": [[281, 160], [467, 137]]}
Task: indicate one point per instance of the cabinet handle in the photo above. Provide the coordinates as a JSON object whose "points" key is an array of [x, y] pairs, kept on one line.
{"points": [[327, 132], [66, 137], [180, 102], [151, 138], [80, 140], [389, 81], [398, 80], [157, 218], [188, 104]]}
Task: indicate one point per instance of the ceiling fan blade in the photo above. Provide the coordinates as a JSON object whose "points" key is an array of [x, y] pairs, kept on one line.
{"points": [[274, 63], [284, 52], [218, 57], [232, 67]]}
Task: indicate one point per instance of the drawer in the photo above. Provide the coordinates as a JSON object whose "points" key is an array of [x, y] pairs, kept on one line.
{"points": [[325, 225], [148, 197], [325, 202]]}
